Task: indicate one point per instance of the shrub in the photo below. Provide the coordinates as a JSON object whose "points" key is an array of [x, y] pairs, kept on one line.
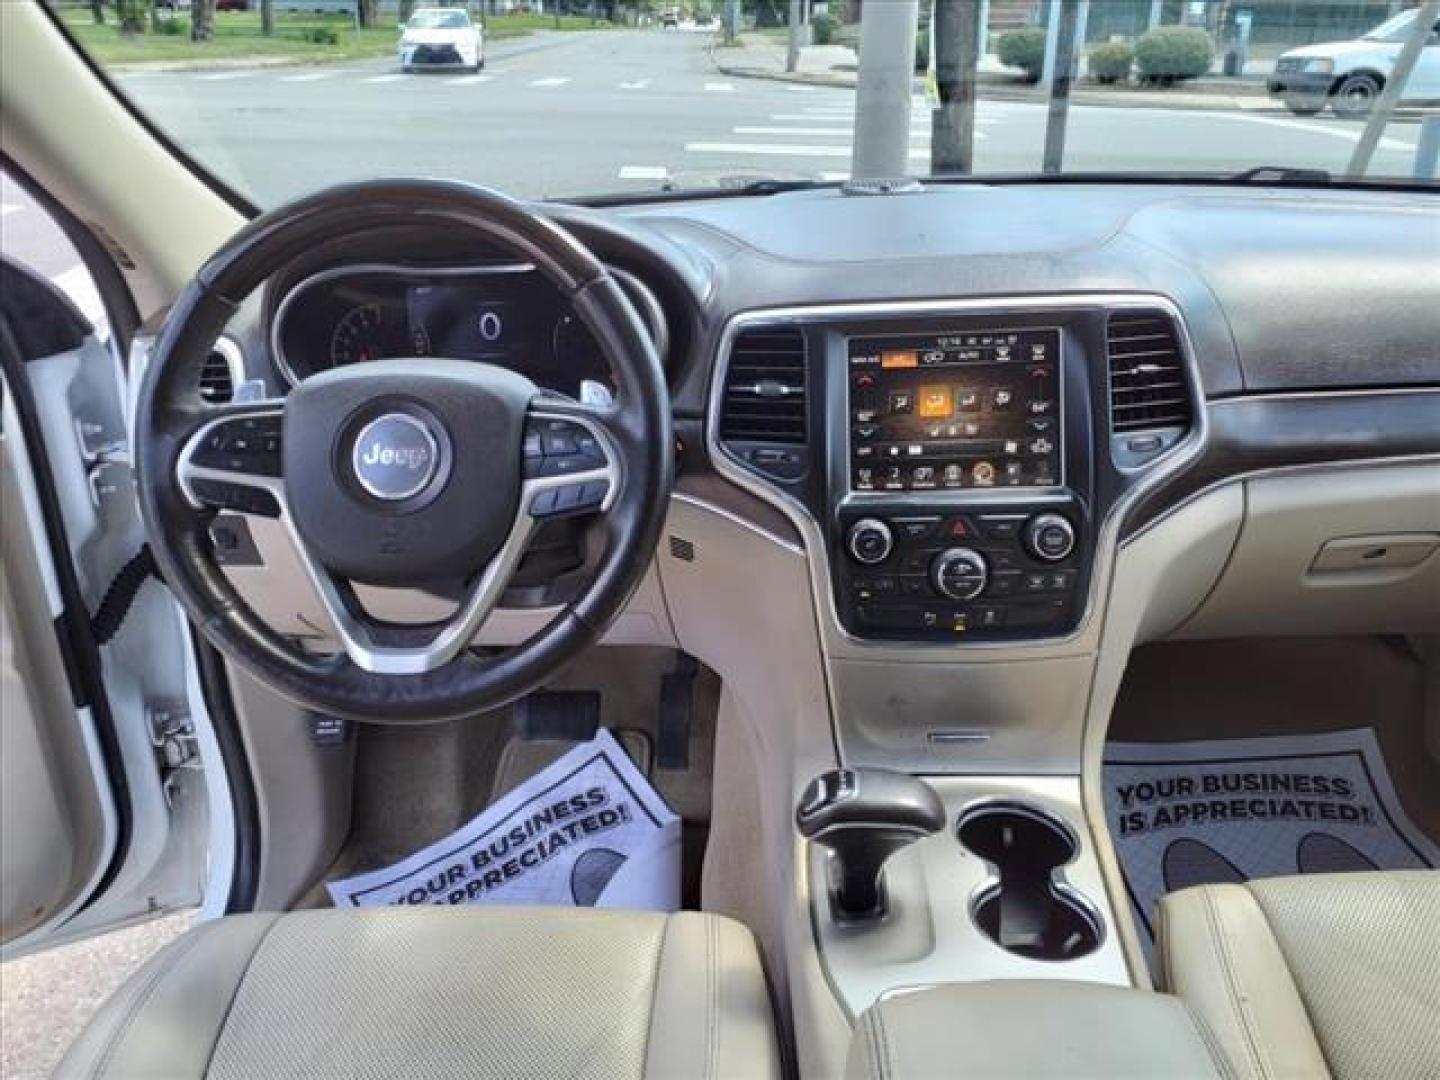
{"points": [[1024, 49], [1110, 62], [1171, 53], [173, 27], [321, 35], [823, 26]]}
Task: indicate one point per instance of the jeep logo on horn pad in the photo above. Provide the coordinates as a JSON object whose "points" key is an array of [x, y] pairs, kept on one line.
{"points": [[394, 457]]}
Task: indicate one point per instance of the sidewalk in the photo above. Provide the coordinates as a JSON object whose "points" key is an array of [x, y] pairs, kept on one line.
{"points": [[761, 57]]}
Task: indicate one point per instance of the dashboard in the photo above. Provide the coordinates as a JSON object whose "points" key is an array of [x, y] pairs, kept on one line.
{"points": [[959, 403]]}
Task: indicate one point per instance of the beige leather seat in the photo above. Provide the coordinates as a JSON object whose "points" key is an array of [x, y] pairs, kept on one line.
{"points": [[440, 992], [1321, 975]]}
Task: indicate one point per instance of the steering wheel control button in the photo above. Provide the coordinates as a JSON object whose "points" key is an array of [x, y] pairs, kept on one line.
{"points": [[1049, 537], [870, 541], [559, 448], [576, 498], [395, 457], [224, 495], [248, 444], [960, 574]]}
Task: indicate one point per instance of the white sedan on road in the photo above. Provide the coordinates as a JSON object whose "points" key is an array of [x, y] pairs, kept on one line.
{"points": [[441, 37]]}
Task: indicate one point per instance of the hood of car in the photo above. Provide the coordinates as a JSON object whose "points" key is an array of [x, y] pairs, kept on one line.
{"points": [[451, 36], [1335, 49]]}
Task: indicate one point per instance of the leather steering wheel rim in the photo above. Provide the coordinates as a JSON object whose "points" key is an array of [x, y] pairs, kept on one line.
{"points": [[170, 414]]}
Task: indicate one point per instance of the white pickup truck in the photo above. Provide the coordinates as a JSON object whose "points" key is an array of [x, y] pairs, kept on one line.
{"points": [[1349, 75]]}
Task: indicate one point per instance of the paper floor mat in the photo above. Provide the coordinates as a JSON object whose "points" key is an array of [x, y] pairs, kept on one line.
{"points": [[1196, 813]]}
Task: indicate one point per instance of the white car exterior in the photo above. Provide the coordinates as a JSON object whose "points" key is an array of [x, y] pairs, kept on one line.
{"points": [[1349, 75], [441, 37]]}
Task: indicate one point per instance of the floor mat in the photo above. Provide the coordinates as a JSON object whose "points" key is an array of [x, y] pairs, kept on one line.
{"points": [[1202, 812]]}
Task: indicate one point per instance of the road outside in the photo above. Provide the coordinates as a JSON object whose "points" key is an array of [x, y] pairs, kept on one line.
{"points": [[627, 110]]}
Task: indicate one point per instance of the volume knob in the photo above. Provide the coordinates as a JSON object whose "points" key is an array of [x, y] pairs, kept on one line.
{"points": [[959, 573], [870, 541]]}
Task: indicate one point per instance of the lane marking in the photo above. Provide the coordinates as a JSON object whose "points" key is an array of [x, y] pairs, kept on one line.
{"points": [[314, 76], [225, 76], [1385, 143], [638, 84], [719, 88], [384, 78], [784, 150], [468, 80], [644, 172], [551, 82]]}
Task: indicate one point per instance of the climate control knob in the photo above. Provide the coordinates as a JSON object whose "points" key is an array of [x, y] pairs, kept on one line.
{"points": [[959, 573], [870, 541], [1049, 537]]}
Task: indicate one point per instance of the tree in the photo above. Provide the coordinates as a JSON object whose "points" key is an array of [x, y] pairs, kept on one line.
{"points": [[407, 8], [267, 18], [767, 13], [202, 20], [132, 15], [97, 9], [369, 12]]}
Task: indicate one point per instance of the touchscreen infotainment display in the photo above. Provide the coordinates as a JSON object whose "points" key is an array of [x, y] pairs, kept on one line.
{"points": [[955, 411]]}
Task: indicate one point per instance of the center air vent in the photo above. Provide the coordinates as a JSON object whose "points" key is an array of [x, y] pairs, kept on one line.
{"points": [[1148, 390], [217, 376], [763, 416], [765, 388]]}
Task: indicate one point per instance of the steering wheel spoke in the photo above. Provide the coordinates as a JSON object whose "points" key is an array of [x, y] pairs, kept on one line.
{"points": [[232, 461]]}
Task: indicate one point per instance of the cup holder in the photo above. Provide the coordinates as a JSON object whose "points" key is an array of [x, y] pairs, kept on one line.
{"points": [[1027, 911]]}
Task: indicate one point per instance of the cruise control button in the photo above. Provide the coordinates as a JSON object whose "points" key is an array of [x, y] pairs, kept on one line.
{"points": [[564, 466], [568, 497], [557, 443], [534, 445], [543, 503]]}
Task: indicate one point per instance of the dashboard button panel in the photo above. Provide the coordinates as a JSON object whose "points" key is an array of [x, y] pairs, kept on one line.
{"points": [[971, 576]]}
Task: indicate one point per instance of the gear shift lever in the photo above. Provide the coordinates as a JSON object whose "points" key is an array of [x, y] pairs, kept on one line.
{"points": [[864, 816]]}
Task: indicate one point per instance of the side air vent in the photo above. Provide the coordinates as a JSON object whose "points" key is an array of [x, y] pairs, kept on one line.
{"points": [[764, 415], [217, 375], [1147, 376]]}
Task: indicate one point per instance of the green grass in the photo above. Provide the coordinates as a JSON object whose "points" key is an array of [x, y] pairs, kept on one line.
{"points": [[237, 36]]}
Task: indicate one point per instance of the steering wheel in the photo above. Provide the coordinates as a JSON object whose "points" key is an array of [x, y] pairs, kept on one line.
{"points": [[395, 472]]}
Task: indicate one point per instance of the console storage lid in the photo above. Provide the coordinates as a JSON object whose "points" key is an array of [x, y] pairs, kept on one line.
{"points": [[1029, 1028]]}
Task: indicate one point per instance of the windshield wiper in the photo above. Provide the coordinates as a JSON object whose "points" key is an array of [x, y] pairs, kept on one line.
{"points": [[1280, 175]]}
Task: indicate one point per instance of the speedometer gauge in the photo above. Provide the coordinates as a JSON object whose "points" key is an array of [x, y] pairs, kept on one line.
{"points": [[357, 337]]}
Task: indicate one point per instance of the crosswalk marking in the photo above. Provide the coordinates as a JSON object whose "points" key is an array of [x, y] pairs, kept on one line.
{"points": [[551, 82], [719, 88], [644, 172], [468, 80], [784, 150], [383, 78], [843, 132], [314, 76]]}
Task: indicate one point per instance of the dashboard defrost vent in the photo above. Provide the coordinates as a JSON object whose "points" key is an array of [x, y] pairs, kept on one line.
{"points": [[763, 413], [1148, 389], [217, 378]]}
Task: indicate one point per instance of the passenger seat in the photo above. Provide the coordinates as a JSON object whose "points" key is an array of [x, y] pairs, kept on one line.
{"points": [[1312, 976]]}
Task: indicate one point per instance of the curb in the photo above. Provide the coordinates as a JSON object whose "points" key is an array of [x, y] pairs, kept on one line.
{"points": [[1002, 92]]}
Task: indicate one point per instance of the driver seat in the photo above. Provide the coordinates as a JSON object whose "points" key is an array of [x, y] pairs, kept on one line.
{"points": [[440, 992]]}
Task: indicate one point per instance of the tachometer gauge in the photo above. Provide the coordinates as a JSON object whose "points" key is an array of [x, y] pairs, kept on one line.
{"points": [[357, 336]]}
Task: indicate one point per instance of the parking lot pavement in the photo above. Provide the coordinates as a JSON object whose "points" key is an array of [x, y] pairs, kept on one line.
{"points": [[46, 998]]}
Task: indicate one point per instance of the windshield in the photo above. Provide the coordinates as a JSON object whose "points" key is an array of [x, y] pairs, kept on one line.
{"points": [[1393, 30], [572, 98], [439, 20]]}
